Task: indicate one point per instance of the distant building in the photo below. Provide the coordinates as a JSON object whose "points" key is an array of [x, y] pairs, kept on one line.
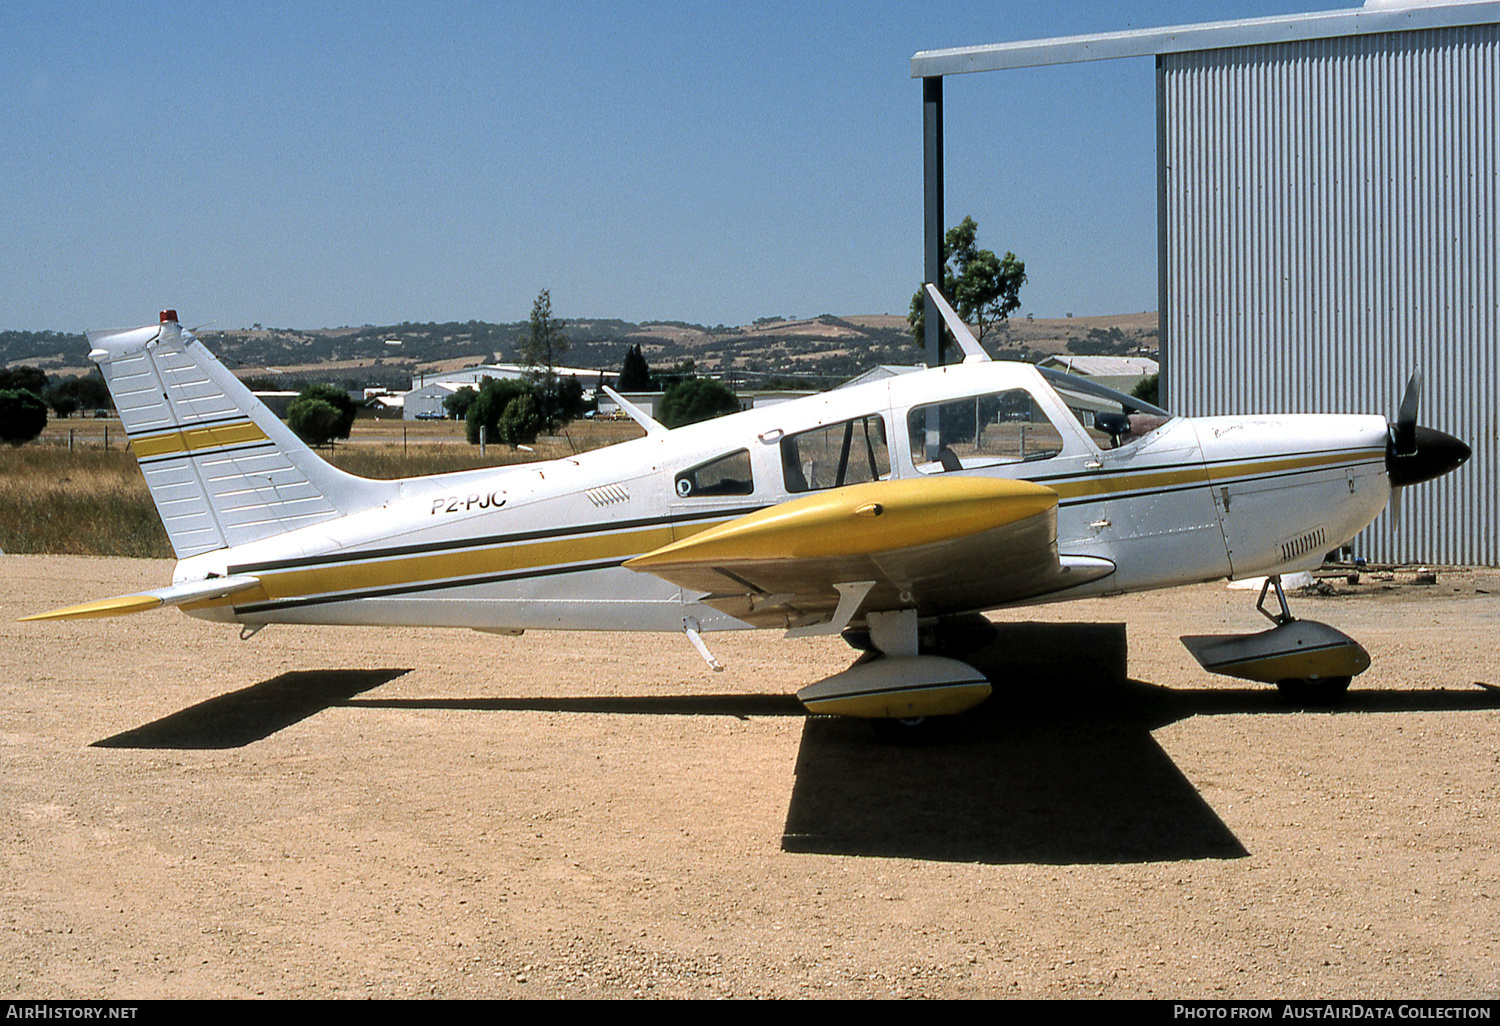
{"points": [[277, 402], [880, 372], [429, 390], [1121, 373]]}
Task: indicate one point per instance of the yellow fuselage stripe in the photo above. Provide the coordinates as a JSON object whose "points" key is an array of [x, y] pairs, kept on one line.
{"points": [[1084, 487], [398, 571]]}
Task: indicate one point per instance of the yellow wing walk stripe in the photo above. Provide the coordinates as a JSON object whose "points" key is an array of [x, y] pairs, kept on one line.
{"points": [[345, 580], [191, 440]]}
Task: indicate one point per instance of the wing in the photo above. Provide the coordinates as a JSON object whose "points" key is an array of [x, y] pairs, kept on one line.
{"points": [[934, 544]]}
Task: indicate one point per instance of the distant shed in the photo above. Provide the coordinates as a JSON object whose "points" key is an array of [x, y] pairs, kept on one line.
{"points": [[1122, 373], [1328, 222]]}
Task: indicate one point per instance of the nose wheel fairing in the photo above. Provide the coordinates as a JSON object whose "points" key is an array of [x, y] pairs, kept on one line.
{"points": [[1304, 658], [1297, 650]]}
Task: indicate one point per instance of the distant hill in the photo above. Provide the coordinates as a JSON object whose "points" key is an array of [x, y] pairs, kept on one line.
{"points": [[823, 348]]}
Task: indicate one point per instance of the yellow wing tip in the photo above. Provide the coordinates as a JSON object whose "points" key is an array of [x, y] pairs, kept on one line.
{"points": [[120, 605]]}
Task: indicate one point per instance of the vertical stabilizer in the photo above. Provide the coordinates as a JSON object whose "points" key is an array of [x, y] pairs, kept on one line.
{"points": [[222, 469]]}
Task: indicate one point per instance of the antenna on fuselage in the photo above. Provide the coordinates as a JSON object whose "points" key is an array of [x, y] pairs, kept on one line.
{"points": [[640, 416], [973, 351]]}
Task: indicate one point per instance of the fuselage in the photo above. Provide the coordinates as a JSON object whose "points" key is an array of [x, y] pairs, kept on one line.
{"points": [[1168, 501]]}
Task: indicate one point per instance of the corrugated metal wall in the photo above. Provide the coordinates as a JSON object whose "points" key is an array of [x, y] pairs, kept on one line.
{"points": [[1329, 224]]}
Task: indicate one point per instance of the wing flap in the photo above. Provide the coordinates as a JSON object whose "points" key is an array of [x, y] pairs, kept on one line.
{"points": [[139, 602]]}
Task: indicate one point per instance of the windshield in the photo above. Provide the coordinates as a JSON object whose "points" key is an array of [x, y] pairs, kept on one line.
{"points": [[1112, 419]]}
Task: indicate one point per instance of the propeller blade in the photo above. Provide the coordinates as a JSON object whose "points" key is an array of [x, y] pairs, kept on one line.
{"points": [[1415, 454], [1404, 432]]}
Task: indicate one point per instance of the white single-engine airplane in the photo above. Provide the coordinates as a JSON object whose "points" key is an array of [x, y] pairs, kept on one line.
{"points": [[891, 512]]}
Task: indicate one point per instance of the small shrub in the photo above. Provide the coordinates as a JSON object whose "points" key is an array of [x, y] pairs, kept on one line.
{"points": [[22, 416], [320, 414]]}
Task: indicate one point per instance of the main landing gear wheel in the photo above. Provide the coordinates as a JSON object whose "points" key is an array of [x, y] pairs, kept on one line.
{"points": [[1314, 690], [916, 730]]}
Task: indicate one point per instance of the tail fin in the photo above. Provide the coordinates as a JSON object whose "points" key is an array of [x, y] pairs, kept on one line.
{"points": [[222, 469]]}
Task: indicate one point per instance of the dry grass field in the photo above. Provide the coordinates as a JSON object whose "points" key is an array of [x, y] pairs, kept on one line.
{"points": [[77, 490]]}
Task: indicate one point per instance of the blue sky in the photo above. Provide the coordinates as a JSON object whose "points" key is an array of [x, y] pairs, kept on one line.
{"points": [[320, 164]]}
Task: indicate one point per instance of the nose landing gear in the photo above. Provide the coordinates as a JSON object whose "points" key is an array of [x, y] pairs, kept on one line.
{"points": [[1311, 663]]}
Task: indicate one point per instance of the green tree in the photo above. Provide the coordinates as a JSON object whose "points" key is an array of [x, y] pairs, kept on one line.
{"points": [[457, 405], [22, 416], [635, 374], [1148, 389], [983, 288], [567, 399], [688, 402], [521, 421], [489, 406], [316, 421], [29, 379], [62, 404], [321, 413], [89, 390], [542, 346]]}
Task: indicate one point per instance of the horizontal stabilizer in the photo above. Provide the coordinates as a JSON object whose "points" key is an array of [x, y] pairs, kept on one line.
{"points": [[176, 595]]}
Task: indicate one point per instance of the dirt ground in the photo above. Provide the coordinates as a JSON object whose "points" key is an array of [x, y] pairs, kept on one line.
{"points": [[379, 813]]}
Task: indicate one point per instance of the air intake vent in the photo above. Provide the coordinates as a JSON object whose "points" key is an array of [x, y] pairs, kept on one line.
{"points": [[608, 495], [1299, 547]]}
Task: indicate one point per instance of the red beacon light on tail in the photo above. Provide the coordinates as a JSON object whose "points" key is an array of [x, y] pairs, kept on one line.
{"points": [[169, 315]]}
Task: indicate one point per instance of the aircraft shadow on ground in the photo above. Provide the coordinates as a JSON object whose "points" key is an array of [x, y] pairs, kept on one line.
{"points": [[739, 706], [253, 713], [1058, 766]]}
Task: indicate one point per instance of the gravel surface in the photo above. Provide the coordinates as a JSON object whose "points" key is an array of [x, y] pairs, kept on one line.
{"points": [[407, 813]]}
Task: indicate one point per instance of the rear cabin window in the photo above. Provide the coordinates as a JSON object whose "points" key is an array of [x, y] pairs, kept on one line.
{"points": [[852, 452], [727, 475], [982, 431]]}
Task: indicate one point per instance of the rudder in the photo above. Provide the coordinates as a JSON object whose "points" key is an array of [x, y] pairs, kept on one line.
{"points": [[222, 469]]}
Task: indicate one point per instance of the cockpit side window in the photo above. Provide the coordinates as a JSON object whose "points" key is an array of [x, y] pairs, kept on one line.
{"points": [[983, 431], [728, 475], [851, 452]]}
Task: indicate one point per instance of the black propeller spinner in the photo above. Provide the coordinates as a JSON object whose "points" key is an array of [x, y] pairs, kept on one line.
{"points": [[1415, 454]]}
